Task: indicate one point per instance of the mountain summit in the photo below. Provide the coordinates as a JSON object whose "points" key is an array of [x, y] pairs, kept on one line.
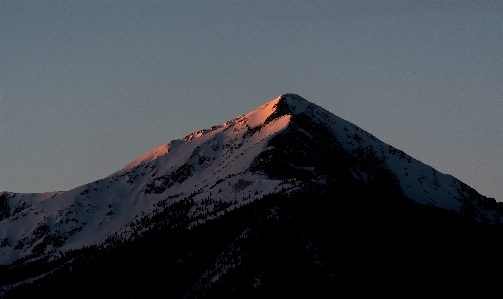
{"points": [[287, 148]]}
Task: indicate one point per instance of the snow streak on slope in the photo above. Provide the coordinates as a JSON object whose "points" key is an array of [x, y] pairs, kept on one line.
{"points": [[212, 169]]}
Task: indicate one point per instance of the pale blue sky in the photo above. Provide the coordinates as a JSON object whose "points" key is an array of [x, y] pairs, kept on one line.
{"points": [[88, 86]]}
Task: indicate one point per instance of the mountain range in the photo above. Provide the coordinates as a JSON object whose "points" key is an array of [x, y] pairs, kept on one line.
{"points": [[287, 199]]}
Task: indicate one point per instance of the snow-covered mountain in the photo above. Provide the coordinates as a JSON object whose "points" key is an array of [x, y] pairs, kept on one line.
{"points": [[284, 146]]}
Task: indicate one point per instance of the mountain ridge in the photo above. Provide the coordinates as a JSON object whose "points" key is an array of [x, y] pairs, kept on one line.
{"points": [[285, 144]]}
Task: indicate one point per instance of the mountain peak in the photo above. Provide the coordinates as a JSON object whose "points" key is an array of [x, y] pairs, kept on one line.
{"points": [[292, 98], [292, 102], [285, 145], [296, 167], [283, 105]]}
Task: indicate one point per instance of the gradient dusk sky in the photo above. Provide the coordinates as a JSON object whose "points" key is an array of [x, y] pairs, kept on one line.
{"points": [[88, 86]]}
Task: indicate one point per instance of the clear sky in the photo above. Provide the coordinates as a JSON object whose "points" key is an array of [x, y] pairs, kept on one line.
{"points": [[88, 86]]}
